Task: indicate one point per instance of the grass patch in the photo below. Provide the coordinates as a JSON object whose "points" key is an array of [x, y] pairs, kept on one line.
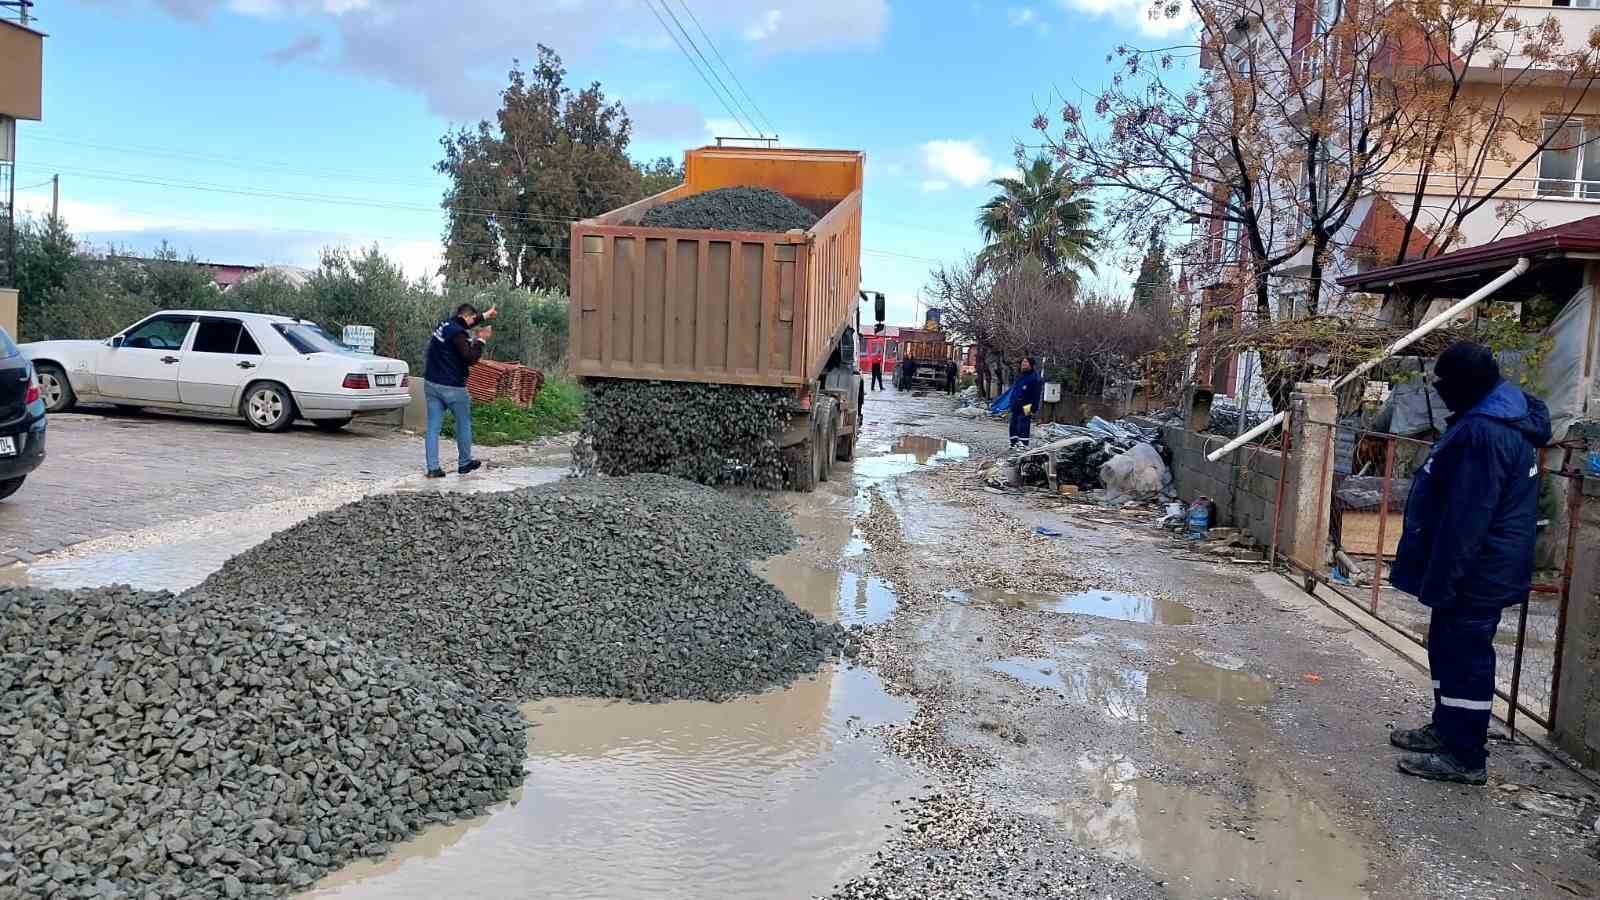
{"points": [[559, 409]]}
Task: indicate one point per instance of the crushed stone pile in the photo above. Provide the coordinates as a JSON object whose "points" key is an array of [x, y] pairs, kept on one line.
{"points": [[709, 433], [181, 747], [731, 209], [632, 587]]}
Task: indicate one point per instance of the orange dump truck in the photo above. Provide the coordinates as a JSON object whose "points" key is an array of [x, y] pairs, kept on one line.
{"points": [[761, 309]]}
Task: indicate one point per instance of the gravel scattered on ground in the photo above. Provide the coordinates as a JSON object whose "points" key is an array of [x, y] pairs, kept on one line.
{"points": [[955, 845], [632, 587], [731, 209], [166, 747]]}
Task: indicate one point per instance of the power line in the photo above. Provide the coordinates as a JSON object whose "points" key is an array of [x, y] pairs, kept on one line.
{"points": [[703, 77], [667, 6], [731, 74]]}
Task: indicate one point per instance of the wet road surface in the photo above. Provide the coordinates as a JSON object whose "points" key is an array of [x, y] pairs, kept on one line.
{"points": [[1147, 727]]}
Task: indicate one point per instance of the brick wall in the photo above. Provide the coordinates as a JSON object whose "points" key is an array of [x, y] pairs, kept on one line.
{"points": [[1244, 486]]}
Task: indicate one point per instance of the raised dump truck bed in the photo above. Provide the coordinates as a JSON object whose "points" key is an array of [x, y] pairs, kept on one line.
{"points": [[731, 307], [757, 309]]}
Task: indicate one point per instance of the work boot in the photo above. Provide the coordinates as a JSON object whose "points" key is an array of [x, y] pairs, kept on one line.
{"points": [[1417, 740], [1441, 767], [435, 473], [469, 466]]}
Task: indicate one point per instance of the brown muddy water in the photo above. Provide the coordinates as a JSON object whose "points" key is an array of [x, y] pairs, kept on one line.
{"points": [[779, 795], [1272, 842], [1100, 604]]}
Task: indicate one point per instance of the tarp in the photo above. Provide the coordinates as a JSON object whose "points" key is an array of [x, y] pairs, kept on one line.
{"points": [[1563, 384], [1002, 403]]}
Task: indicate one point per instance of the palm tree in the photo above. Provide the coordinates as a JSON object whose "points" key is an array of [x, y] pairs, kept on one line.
{"points": [[1043, 217]]}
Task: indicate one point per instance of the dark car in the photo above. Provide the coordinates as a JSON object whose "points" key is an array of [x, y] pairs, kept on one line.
{"points": [[21, 418]]}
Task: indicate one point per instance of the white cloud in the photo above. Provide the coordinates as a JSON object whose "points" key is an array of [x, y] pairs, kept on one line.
{"points": [[1149, 17], [83, 217], [961, 162], [1027, 17], [455, 54], [765, 27], [934, 186]]}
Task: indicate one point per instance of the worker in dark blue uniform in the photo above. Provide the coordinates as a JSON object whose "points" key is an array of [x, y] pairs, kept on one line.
{"points": [[1467, 553], [1024, 400]]}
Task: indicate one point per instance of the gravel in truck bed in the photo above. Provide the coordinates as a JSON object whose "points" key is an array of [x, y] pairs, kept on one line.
{"points": [[632, 587], [731, 209], [158, 747]]}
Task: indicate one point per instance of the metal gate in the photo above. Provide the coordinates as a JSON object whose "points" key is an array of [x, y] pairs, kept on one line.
{"points": [[1527, 679]]}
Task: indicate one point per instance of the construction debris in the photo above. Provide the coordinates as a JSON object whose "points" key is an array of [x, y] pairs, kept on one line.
{"points": [[164, 747], [732, 209], [632, 587]]}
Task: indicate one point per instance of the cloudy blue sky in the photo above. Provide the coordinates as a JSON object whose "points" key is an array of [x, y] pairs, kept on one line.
{"points": [[260, 131]]}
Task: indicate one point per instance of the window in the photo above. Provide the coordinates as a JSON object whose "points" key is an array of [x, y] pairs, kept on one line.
{"points": [[1569, 166], [161, 333], [305, 337], [217, 336], [1579, 4], [8, 348], [247, 344]]}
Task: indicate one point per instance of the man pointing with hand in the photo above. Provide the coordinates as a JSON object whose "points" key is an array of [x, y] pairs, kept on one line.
{"points": [[452, 350]]}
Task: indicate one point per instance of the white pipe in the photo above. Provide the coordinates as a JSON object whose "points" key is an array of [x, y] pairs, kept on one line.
{"points": [[1418, 334]]}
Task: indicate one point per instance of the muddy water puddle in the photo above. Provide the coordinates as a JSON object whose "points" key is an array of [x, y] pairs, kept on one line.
{"points": [[1273, 842], [1100, 604], [831, 594], [1126, 692], [907, 454], [779, 795]]}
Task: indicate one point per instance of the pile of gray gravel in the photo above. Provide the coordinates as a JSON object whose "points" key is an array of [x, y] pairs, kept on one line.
{"points": [[632, 587], [731, 209], [163, 747]]}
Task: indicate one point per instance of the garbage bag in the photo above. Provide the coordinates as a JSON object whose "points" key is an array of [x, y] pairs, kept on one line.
{"points": [[970, 412], [1138, 474]]}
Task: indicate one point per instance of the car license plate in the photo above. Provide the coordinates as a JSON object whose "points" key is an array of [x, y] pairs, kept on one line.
{"points": [[385, 380], [8, 446]]}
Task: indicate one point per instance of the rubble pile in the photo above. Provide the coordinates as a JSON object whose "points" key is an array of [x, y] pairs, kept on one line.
{"points": [[630, 587], [1128, 460], [709, 433], [186, 747], [731, 209]]}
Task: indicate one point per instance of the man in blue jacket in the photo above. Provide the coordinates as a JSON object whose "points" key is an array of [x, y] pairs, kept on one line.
{"points": [[1024, 399], [1467, 553], [452, 350]]}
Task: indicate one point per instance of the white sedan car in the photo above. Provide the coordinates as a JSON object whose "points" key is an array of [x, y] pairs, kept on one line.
{"points": [[269, 369]]}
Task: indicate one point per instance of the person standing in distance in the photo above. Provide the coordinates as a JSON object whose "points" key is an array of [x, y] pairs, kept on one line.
{"points": [[452, 350], [877, 371], [1024, 398], [1467, 553]]}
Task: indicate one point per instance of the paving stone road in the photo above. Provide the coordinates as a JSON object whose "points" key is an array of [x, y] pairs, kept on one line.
{"points": [[105, 474]]}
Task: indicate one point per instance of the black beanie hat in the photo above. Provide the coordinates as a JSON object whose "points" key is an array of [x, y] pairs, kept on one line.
{"points": [[1465, 373]]}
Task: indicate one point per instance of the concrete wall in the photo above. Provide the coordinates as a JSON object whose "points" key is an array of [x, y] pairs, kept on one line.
{"points": [[1577, 725], [1244, 486]]}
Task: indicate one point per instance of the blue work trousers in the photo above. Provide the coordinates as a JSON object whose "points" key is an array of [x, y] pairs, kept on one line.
{"points": [[441, 397], [1461, 660]]}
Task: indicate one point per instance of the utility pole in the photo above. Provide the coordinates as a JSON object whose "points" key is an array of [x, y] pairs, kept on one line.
{"points": [[55, 196]]}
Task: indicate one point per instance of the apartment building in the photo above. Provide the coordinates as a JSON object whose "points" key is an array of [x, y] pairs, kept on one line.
{"points": [[1525, 153]]}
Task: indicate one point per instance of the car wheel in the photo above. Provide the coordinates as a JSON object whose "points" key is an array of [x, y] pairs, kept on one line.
{"points": [[11, 485], [330, 425], [268, 406], [54, 388]]}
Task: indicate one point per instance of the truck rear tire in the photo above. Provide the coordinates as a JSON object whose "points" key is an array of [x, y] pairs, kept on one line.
{"points": [[845, 448], [804, 466]]}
